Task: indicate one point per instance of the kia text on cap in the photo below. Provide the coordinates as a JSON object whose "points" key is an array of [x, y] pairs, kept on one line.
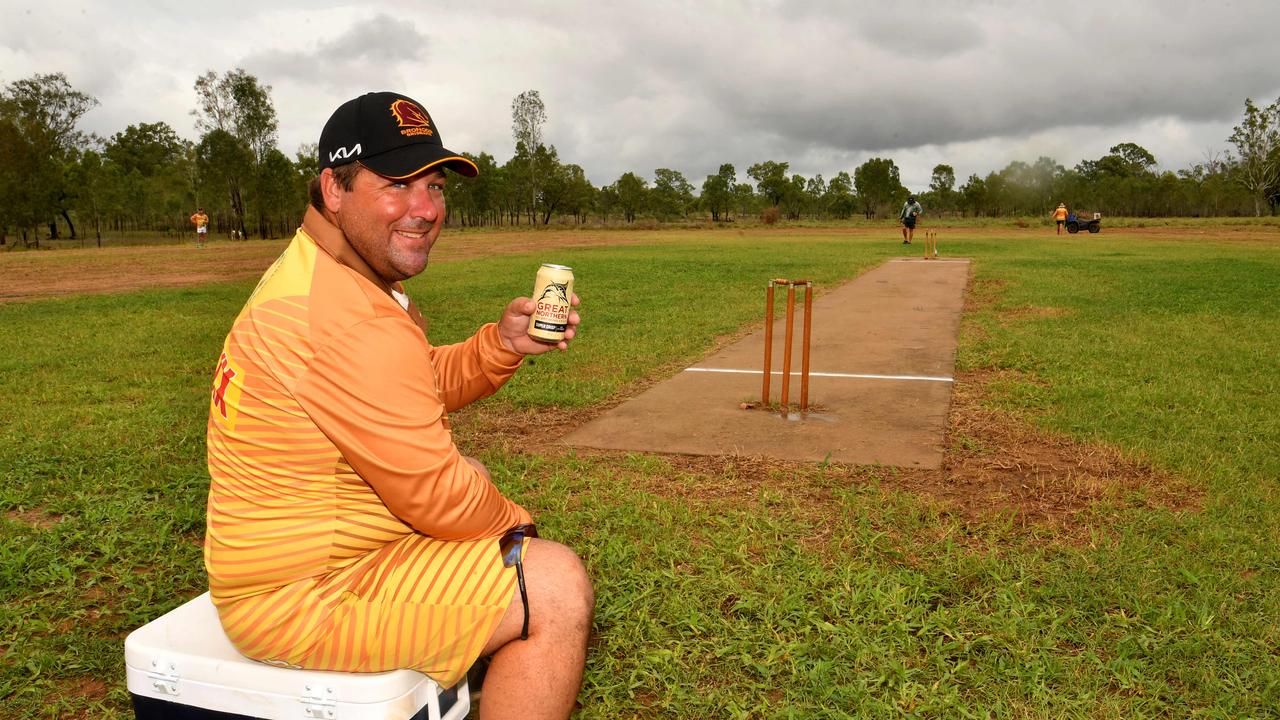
{"points": [[390, 134]]}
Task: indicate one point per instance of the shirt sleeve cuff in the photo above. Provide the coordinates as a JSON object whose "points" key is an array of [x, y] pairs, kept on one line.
{"points": [[494, 352]]}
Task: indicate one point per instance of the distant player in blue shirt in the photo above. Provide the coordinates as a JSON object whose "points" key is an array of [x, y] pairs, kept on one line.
{"points": [[910, 211]]}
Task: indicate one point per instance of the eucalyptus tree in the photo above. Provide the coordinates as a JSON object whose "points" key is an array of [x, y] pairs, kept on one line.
{"points": [[942, 184], [672, 194], [557, 183], [237, 103], [475, 201], [607, 201], [794, 199], [239, 108], [1041, 179], [145, 147], [1257, 140], [878, 185], [512, 199], [999, 195], [717, 192], [40, 144], [1272, 191], [839, 199], [278, 206], [580, 195], [307, 161], [226, 161], [154, 157], [631, 190], [1135, 159], [973, 194], [15, 209], [744, 198], [528, 115], [97, 179], [771, 180], [815, 191], [306, 165]]}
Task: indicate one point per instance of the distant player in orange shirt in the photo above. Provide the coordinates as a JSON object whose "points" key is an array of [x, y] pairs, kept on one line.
{"points": [[1060, 216], [345, 530], [201, 221]]}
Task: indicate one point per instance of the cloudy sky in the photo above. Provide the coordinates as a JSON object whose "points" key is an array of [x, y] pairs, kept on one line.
{"points": [[823, 85]]}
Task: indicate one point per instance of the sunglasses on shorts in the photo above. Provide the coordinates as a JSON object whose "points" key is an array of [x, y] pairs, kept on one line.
{"points": [[510, 545]]}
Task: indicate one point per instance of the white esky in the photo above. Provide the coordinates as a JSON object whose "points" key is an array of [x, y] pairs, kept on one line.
{"points": [[634, 86]]}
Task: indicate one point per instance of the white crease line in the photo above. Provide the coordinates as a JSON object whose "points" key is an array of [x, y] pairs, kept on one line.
{"points": [[935, 260], [927, 378]]}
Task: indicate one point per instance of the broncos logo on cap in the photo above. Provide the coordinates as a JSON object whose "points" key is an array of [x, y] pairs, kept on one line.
{"points": [[412, 119]]}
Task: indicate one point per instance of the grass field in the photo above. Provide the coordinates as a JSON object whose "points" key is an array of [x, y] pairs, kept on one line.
{"points": [[735, 587]]}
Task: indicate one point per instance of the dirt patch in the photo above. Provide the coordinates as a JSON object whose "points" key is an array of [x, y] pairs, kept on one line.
{"points": [[995, 463], [1034, 312], [79, 691], [31, 275], [1232, 233], [36, 275], [88, 688], [996, 468], [696, 478], [36, 518]]}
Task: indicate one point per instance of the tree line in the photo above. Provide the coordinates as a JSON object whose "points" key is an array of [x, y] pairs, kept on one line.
{"points": [[57, 181]]}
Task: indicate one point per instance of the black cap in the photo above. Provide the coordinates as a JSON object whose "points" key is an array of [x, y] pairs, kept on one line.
{"points": [[390, 134]]}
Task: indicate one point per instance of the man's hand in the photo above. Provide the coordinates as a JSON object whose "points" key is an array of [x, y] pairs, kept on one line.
{"points": [[513, 328]]}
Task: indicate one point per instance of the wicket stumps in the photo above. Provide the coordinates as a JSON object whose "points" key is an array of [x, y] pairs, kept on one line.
{"points": [[930, 244], [786, 353]]}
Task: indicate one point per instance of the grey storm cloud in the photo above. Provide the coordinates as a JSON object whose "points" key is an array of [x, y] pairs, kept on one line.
{"points": [[370, 48], [860, 82], [631, 86], [853, 80]]}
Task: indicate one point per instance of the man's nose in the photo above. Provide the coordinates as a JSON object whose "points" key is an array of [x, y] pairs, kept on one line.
{"points": [[427, 202]]}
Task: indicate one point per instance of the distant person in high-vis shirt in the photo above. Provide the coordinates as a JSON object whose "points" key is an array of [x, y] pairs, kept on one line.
{"points": [[345, 529], [1060, 216], [908, 216], [201, 221]]}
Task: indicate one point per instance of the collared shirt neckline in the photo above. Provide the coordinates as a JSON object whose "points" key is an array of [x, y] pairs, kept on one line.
{"points": [[331, 239]]}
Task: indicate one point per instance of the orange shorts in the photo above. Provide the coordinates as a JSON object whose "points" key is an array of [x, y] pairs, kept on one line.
{"points": [[420, 603]]}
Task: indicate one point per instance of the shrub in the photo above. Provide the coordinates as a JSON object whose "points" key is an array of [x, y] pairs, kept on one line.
{"points": [[770, 216]]}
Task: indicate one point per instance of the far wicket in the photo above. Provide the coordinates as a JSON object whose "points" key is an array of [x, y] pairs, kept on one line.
{"points": [[786, 353], [930, 244]]}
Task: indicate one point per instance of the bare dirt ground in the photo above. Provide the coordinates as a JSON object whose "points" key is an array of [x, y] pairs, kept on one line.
{"points": [[996, 468], [37, 275]]}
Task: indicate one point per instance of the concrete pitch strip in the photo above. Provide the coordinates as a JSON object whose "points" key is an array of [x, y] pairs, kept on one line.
{"points": [[882, 355]]}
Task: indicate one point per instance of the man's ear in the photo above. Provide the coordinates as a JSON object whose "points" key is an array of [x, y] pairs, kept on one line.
{"points": [[330, 190]]}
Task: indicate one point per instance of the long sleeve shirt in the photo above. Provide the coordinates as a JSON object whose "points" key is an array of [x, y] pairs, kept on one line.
{"points": [[328, 432]]}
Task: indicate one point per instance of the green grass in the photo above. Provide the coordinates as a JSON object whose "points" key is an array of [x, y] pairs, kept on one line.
{"points": [[822, 593]]}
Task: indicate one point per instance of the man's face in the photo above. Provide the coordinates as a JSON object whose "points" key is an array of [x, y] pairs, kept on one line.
{"points": [[392, 223]]}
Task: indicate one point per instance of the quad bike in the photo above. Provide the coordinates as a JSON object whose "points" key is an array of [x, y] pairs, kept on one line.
{"points": [[1076, 223]]}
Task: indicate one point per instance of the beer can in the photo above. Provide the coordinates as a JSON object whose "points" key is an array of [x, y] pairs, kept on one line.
{"points": [[552, 297]]}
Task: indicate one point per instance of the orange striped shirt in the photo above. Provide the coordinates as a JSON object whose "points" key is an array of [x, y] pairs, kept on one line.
{"points": [[329, 442]]}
